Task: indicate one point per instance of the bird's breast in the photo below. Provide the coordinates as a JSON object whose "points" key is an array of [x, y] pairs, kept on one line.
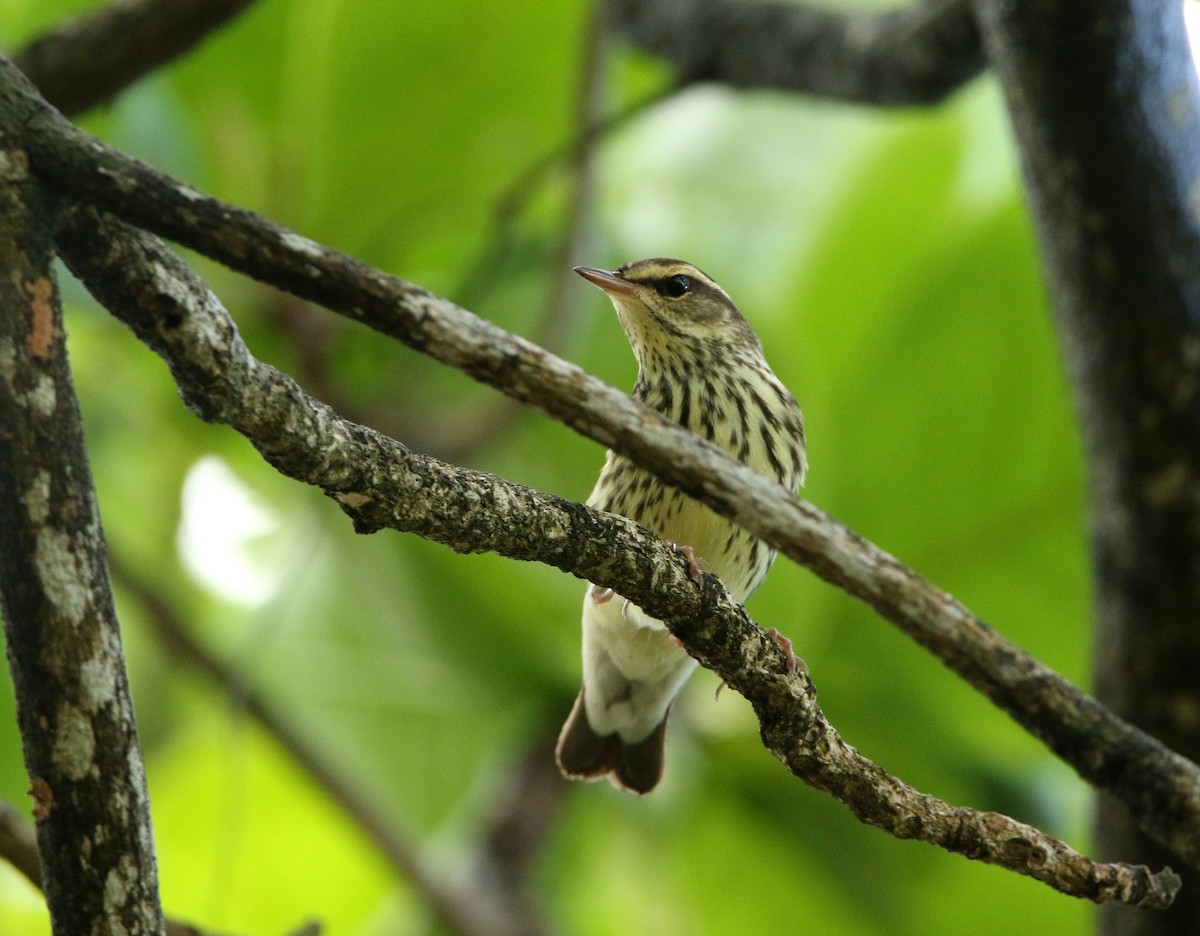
{"points": [[740, 407]]}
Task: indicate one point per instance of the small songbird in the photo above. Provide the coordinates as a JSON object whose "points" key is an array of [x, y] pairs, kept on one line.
{"points": [[701, 365]]}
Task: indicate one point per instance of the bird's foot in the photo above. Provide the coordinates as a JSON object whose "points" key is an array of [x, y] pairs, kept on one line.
{"points": [[695, 564], [793, 661], [601, 595]]}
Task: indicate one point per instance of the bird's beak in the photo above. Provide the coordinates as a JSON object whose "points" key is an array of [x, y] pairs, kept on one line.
{"points": [[611, 283]]}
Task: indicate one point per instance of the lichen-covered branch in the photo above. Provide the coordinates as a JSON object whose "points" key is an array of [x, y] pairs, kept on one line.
{"points": [[87, 61], [380, 484], [64, 647], [917, 54], [1161, 788]]}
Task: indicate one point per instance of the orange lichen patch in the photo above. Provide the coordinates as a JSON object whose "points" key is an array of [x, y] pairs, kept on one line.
{"points": [[42, 332], [43, 798]]}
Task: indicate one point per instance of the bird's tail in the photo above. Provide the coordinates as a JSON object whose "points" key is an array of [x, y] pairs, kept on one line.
{"points": [[584, 755]]}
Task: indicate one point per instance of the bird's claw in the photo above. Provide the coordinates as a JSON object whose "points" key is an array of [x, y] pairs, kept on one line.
{"points": [[793, 662], [695, 565], [601, 595]]}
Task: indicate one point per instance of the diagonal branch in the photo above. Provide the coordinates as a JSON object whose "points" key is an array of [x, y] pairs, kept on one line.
{"points": [[89, 60], [1160, 788], [918, 54], [380, 483]]}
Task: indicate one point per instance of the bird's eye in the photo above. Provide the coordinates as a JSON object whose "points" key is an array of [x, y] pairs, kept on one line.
{"points": [[673, 286]]}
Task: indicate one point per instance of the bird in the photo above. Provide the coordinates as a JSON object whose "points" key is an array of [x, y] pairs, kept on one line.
{"points": [[701, 365]]}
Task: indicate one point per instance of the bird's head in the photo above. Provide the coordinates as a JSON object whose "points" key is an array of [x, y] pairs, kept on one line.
{"points": [[669, 308]]}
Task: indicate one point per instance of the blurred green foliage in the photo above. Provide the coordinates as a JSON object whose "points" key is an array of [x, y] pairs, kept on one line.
{"points": [[886, 261]]}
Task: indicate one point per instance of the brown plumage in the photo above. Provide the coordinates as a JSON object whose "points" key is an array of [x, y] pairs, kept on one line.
{"points": [[700, 364]]}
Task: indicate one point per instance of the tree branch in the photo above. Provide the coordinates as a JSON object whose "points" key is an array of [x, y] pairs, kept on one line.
{"points": [[379, 483], [1161, 788], [89, 60], [64, 645], [914, 55]]}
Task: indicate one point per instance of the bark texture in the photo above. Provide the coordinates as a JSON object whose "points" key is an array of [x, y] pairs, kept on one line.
{"points": [[64, 649]]}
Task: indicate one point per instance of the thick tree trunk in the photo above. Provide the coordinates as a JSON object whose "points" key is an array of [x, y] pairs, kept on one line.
{"points": [[1104, 103]]}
